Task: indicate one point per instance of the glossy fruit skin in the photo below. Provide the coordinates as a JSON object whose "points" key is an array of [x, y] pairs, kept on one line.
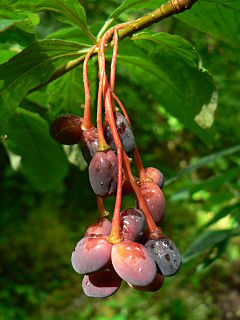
{"points": [[155, 200], [100, 226], [133, 263], [132, 223], [166, 255], [152, 287], [101, 284], [91, 254], [103, 173], [89, 143], [125, 134], [156, 175], [66, 129]]}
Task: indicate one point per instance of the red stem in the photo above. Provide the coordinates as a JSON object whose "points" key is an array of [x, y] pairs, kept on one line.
{"points": [[141, 171], [102, 212], [102, 144], [152, 228], [114, 61], [87, 123], [115, 235]]}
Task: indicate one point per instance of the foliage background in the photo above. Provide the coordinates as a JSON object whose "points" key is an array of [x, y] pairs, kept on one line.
{"points": [[46, 200]]}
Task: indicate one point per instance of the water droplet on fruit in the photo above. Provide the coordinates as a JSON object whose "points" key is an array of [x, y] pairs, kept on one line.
{"points": [[140, 269]]}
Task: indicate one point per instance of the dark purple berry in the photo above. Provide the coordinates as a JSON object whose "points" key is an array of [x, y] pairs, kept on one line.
{"points": [[89, 143], [125, 134], [66, 129], [103, 173], [101, 284], [132, 222], [91, 254], [166, 255]]}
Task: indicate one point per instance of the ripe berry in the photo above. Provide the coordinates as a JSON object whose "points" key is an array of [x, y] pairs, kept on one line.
{"points": [[89, 143], [91, 254], [103, 173], [166, 255], [101, 284], [155, 200], [101, 226], [66, 129], [125, 134], [153, 286], [156, 175], [132, 222], [133, 263]]}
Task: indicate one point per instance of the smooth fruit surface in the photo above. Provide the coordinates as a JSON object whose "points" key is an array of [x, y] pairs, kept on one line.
{"points": [[66, 129], [132, 223], [101, 284], [103, 173], [100, 226], [155, 200], [89, 143], [133, 263], [156, 176], [125, 134], [152, 287], [91, 254]]}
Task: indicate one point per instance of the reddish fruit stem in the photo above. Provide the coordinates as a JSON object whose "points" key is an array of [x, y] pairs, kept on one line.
{"points": [[102, 212], [87, 123], [115, 236], [141, 171], [102, 144], [152, 228], [114, 61]]}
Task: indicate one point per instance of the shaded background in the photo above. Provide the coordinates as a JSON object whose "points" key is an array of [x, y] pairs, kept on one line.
{"points": [[40, 229]]}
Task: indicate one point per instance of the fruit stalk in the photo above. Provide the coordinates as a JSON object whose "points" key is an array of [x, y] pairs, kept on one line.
{"points": [[87, 123], [152, 228], [141, 171]]}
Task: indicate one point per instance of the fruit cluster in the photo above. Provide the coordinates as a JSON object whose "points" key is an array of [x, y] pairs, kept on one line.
{"points": [[131, 247]]}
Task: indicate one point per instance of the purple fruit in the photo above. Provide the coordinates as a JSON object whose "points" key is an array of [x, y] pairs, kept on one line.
{"points": [[133, 263], [101, 284], [156, 176], [155, 200], [132, 224], [103, 173], [91, 254], [124, 131], [66, 129], [89, 143], [101, 226], [166, 255]]}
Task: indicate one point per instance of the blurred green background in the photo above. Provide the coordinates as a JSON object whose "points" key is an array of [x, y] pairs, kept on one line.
{"points": [[40, 229]]}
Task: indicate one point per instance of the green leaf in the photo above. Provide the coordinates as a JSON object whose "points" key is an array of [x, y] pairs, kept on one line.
{"points": [[43, 161], [207, 240], [130, 4], [28, 69], [203, 161], [166, 67], [231, 209], [66, 94], [21, 32], [68, 11], [211, 183], [218, 18]]}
